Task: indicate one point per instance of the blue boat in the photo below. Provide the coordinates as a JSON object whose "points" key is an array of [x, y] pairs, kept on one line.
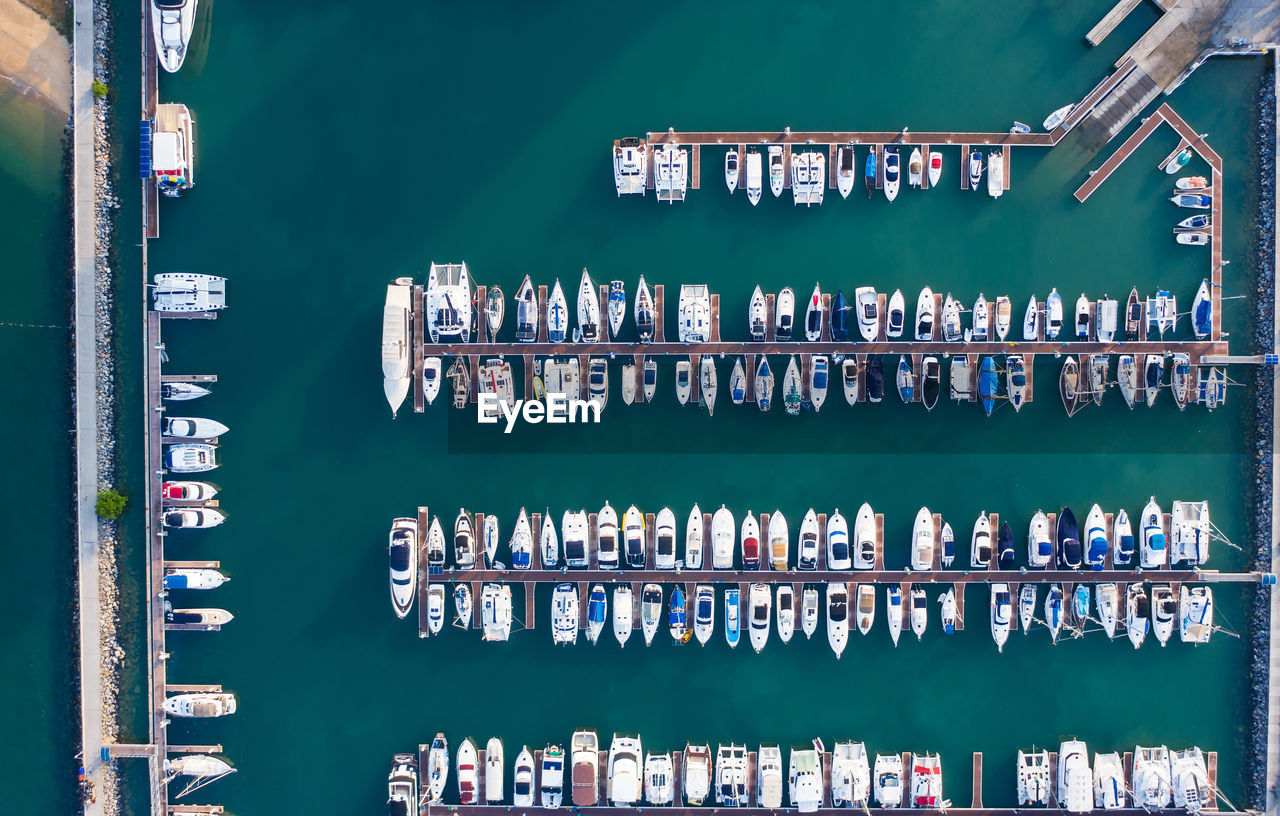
{"points": [[676, 619], [870, 172], [595, 612], [1202, 312], [1068, 533], [839, 317], [875, 379], [906, 380], [732, 613], [1080, 603], [1005, 555], [988, 384]]}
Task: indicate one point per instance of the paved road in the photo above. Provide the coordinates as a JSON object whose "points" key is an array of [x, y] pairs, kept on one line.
{"points": [[86, 364]]}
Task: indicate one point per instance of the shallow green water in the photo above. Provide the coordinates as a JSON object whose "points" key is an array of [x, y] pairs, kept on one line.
{"points": [[328, 166]]}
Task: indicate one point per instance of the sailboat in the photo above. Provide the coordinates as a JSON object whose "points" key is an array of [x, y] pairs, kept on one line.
{"points": [[764, 384], [1202, 312], [617, 306], [644, 315], [588, 309], [557, 314], [894, 611], [738, 383], [791, 387], [707, 381], [1031, 320], [906, 380]]}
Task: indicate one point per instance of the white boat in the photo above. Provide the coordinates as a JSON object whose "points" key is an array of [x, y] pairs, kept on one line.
{"points": [[895, 315], [867, 308], [1195, 614], [809, 611], [527, 313], [448, 303], [865, 607], [658, 773], [182, 391], [558, 314], [924, 315], [644, 317], [1191, 790], [395, 341], [1033, 778], [754, 187], [704, 612], [1054, 611], [981, 319], [1109, 787], [784, 313], [495, 613], [995, 173], [623, 611], [1154, 549], [1201, 307], [670, 173], [464, 541], [200, 705], [693, 531], [757, 316], [935, 168], [468, 773], [684, 381], [190, 458], [650, 378], [588, 309], [915, 168], [628, 383], [551, 789], [462, 606], [664, 537], [1107, 601], [731, 169], [1152, 377], [494, 378], [402, 550], [634, 538], [894, 611], [951, 309], [808, 178], [1122, 542], [769, 777], [1055, 119], [598, 381], [199, 766], [764, 384], [630, 167], [584, 768], [975, 169], [786, 604], [731, 780], [1108, 318], [173, 159], [1053, 315], [696, 771], [779, 541], [1075, 781], [209, 618], [185, 293], [172, 22], [838, 617], [732, 616], [722, 532], [760, 601], [650, 611], [980, 547], [617, 306], [493, 771], [1001, 614], [813, 316], [1027, 606], [522, 782], [892, 174], [1031, 320], [431, 373], [1137, 618], [807, 545], [1164, 612], [1004, 315], [694, 315], [776, 176], [846, 165], [437, 768], [191, 518], [864, 538], [1127, 377], [805, 778], [1190, 533], [922, 541], [737, 383], [837, 542], [1152, 778], [887, 779], [947, 543], [193, 578], [1162, 312], [564, 615], [926, 782], [402, 786], [849, 379], [548, 542], [435, 608], [918, 611], [707, 381]]}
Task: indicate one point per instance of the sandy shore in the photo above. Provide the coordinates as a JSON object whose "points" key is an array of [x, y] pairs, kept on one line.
{"points": [[34, 56]]}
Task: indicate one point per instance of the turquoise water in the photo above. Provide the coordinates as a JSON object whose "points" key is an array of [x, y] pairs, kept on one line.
{"points": [[329, 166]]}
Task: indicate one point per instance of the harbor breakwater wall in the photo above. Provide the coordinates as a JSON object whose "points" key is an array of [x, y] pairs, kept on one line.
{"points": [[1263, 448]]}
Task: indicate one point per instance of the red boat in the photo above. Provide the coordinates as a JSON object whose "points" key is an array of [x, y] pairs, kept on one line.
{"points": [[188, 491]]}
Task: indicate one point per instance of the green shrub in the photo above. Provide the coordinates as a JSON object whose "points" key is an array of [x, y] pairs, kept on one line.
{"points": [[110, 504], [99, 89]]}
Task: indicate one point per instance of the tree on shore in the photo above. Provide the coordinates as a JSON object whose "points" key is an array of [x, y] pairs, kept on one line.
{"points": [[110, 504]]}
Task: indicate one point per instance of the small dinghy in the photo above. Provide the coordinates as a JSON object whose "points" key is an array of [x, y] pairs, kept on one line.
{"points": [[895, 315], [731, 169], [1001, 615], [1004, 316], [738, 383], [935, 168], [849, 378], [1053, 315], [840, 309], [1016, 380], [930, 382], [784, 313], [617, 306], [975, 170], [1031, 320], [764, 384], [1027, 606], [981, 319], [924, 315], [845, 164], [875, 379], [951, 332], [915, 168], [906, 380], [791, 397], [1083, 317]]}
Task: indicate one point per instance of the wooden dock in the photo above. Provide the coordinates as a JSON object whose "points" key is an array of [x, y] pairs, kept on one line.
{"points": [[824, 138]]}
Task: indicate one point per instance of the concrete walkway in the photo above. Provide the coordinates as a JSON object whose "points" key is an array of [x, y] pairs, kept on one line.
{"points": [[86, 365], [1273, 691]]}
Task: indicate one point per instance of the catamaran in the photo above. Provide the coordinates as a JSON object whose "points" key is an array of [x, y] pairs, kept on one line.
{"points": [[670, 173], [630, 167], [1075, 782], [448, 303]]}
